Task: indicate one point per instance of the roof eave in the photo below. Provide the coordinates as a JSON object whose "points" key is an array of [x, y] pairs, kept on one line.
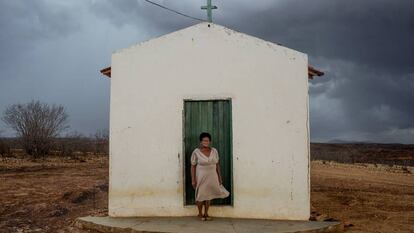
{"points": [[106, 71], [312, 72]]}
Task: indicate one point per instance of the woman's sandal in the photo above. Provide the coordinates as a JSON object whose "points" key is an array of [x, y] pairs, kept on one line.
{"points": [[202, 218], [208, 218]]}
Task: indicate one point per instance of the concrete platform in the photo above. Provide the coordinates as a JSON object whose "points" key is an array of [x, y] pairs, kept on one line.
{"points": [[193, 224]]}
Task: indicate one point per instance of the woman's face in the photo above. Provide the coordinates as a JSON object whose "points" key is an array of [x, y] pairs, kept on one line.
{"points": [[205, 142]]}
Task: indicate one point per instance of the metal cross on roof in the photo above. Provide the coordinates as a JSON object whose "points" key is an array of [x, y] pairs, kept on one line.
{"points": [[209, 9]]}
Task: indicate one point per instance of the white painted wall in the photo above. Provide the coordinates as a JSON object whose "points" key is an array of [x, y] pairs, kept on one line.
{"points": [[268, 85]]}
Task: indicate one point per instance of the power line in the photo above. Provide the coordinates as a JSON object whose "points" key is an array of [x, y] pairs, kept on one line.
{"points": [[169, 9]]}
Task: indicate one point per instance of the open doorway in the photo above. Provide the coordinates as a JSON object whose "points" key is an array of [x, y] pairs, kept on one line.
{"points": [[215, 117]]}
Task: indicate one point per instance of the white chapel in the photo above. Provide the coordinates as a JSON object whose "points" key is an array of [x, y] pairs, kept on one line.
{"points": [[251, 95]]}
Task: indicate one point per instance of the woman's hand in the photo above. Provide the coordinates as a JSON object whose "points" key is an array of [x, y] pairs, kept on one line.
{"points": [[218, 173], [193, 176]]}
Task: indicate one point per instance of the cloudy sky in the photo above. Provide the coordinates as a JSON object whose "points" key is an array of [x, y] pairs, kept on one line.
{"points": [[52, 51]]}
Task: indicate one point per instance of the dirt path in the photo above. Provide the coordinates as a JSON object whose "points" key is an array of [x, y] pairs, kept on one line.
{"points": [[372, 199]]}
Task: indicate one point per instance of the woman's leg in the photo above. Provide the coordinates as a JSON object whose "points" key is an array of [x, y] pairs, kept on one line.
{"points": [[207, 205], [200, 208]]}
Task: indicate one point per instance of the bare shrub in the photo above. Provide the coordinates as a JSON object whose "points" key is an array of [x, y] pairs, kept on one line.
{"points": [[4, 146], [74, 143], [36, 124], [102, 141]]}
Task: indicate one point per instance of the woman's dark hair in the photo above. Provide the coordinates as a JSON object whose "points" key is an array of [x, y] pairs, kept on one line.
{"points": [[203, 135]]}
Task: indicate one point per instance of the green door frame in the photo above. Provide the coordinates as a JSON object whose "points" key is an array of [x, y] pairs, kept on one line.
{"points": [[184, 160]]}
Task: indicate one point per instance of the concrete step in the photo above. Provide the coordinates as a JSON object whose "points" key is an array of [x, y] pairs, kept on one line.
{"points": [[194, 224]]}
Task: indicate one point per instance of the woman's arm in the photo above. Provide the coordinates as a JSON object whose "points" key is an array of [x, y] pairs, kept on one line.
{"points": [[193, 178], [218, 172]]}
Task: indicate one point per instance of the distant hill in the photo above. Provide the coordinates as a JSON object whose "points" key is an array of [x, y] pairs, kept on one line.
{"points": [[364, 152], [341, 141]]}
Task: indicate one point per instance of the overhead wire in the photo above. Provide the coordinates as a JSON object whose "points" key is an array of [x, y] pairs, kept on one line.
{"points": [[174, 11]]}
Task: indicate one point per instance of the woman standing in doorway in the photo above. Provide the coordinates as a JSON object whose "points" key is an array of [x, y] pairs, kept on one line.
{"points": [[206, 176]]}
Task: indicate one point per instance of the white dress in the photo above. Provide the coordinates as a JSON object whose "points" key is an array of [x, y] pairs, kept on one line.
{"points": [[208, 186]]}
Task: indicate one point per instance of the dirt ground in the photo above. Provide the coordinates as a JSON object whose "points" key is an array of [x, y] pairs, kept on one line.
{"points": [[366, 198], [47, 196]]}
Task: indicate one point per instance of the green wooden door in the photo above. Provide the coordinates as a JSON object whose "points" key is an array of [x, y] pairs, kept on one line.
{"points": [[214, 117]]}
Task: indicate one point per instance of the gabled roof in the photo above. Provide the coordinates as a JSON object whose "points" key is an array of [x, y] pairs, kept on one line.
{"points": [[312, 72]]}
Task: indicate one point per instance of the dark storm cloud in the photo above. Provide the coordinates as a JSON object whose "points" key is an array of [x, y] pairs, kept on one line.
{"points": [[367, 32], [365, 48], [24, 23], [155, 20]]}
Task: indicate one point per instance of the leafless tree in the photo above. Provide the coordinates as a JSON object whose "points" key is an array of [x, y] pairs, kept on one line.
{"points": [[36, 124], [102, 141]]}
